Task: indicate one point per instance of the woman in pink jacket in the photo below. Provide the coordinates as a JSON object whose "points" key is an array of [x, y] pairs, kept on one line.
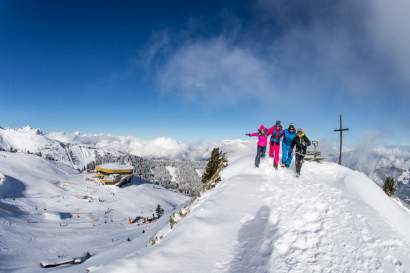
{"points": [[262, 135], [277, 133]]}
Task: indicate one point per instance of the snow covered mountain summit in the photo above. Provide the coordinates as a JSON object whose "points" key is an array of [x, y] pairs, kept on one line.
{"points": [[331, 219]]}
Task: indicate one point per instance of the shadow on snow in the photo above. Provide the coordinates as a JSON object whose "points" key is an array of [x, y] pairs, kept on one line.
{"points": [[11, 188], [255, 244]]}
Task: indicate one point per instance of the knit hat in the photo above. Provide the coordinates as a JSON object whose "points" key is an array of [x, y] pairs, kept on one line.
{"points": [[291, 126], [277, 123]]}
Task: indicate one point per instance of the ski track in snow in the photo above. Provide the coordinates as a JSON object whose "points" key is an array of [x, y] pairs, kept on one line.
{"points": [[280, 224]]}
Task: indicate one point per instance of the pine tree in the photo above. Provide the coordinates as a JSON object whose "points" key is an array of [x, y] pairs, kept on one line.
{"points": [[389, 186], [159, 211], [214, 166]]}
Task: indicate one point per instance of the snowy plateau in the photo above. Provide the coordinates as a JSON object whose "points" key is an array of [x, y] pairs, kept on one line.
{"points": [[331, 219]]}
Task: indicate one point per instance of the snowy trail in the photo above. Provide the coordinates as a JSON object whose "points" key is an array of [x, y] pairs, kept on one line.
{"points": [[259, 220], [318, 230]]}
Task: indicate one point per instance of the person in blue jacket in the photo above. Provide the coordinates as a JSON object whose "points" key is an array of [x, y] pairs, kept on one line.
{"points": [[288, 137]]}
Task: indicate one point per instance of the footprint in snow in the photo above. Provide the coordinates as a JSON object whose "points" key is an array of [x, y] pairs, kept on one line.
{"points": [[395, 262]]}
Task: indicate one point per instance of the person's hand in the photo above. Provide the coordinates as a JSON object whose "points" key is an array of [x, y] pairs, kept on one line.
{"points": [[247, 134]]}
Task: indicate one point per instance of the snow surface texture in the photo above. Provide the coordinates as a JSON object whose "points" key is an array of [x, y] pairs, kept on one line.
{"points": [[50, 212], [331, 219]]}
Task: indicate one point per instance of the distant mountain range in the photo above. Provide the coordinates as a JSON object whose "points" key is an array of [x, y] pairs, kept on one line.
{"points": [[163, 161], [178, 165], [380, 162]]}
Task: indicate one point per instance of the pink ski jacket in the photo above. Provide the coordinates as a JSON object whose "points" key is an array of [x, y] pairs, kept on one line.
{"points": [[262, 137]]}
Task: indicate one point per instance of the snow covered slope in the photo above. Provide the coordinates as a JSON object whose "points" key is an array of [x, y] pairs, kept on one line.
{"points": [[34, 141], [380, 162], [49, 211], [166, 161], [331, 219]]}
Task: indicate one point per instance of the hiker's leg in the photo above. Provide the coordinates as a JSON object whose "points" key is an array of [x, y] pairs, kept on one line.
{"points": [[276, 149], [258, 156], [263, 151], [271, 149], [284, 153], [289, 157], [298, 163]]}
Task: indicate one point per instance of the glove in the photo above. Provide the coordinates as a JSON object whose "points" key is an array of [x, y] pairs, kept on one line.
{"points": [[247, 134]]}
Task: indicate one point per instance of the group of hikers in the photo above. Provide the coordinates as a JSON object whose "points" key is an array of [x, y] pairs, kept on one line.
{"points": [[290, 138]]}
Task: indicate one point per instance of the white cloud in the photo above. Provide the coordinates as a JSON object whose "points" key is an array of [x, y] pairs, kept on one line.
{"points": [[216, 71], [389, 26], [161, 147], [343, 49]]}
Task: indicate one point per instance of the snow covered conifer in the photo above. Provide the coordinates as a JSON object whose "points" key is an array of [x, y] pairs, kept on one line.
{"points": [[214, 166], [159, 211], [389, 186]]}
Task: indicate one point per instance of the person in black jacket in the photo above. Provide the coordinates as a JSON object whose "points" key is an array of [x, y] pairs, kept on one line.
{"points": [[301, 141]]}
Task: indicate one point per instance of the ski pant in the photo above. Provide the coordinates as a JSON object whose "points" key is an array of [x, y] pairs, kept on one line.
{"points": [[259, 153], [298, 162], [274, 152], [286, 154]]}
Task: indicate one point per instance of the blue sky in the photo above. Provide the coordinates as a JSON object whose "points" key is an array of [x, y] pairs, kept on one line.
{"points": [[196, 70]]}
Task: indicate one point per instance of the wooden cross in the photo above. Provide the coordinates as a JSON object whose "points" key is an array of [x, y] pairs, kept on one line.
{"points": [[340, 130]]}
